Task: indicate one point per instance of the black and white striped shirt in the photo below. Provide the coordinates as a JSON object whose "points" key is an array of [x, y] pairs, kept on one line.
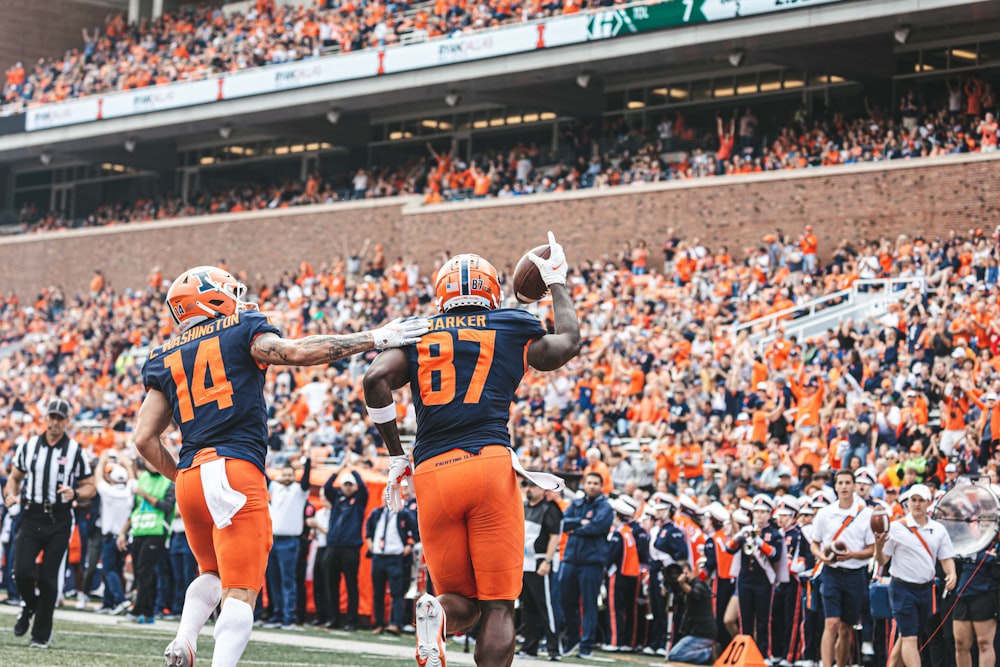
{"points": [[47, 466]]}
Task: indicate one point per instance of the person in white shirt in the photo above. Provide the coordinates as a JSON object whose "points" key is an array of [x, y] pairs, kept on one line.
{"points": [[288, 502], [116, 489], [915, 544], [846, 523]]}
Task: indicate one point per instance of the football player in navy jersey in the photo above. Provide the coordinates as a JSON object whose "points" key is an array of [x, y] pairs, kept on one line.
{"points": [[463, 376], [209, 380]]}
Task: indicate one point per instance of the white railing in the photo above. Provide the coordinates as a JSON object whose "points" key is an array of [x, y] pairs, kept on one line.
{"points": [[863, 298]]}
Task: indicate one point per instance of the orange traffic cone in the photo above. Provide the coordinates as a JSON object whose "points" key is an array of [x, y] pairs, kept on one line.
{"points": [[741, 652]]}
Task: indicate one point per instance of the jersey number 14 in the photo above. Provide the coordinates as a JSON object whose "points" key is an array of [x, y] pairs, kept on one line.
{"points": [[208, 366]]}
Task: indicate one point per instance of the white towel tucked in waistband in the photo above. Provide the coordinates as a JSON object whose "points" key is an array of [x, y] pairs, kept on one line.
{"points": [[543, 479], [223, 501]]}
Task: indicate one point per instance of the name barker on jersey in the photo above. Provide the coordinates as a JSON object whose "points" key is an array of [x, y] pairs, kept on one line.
{"points": [[457, 321]]}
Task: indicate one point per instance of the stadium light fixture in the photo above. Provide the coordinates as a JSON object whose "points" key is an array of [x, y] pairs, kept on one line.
{"points": [[736, 58], [130, 145], [901, 34], [45, 158], [452, 99], [333, 116], [226, 131], [583, 79]]}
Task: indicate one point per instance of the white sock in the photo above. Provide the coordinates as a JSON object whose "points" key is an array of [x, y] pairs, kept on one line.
{"points": [[232, 632], [200, 601]]}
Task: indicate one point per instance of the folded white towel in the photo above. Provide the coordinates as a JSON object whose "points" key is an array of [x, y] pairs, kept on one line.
{"points": [[545, 480], [223, 501]]}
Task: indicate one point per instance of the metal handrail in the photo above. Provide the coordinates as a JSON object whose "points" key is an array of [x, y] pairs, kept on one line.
{"points": [[811, 305], [842, 297]]}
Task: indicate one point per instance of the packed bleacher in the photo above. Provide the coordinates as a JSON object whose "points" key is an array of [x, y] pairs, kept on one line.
{"points": [[198, 43], [663, 401], [623, 154]]}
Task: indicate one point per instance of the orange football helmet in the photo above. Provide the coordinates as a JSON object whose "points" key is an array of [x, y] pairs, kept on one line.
{"points": [[205, 293], [467, 280]]}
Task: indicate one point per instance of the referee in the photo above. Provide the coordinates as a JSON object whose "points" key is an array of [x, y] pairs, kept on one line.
{"points": [[55, 472]]}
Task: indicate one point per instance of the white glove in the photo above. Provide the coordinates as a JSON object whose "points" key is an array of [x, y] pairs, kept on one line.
{"points": [[399, 469], [759, 541], [400, 332], [553, 269], [798, 567]]}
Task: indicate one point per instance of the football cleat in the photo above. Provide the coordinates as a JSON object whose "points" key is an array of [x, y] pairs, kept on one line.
{"points": [[179, 653], [431, 621]]}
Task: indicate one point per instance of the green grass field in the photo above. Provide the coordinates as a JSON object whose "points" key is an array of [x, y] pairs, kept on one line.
{"points": [[85, 639]]}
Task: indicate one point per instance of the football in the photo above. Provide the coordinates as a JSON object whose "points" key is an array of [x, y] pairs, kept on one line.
{"points": [[880, 520], [528, 284], [839, 547]]}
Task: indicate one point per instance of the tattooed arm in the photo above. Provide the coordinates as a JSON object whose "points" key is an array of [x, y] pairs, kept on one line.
{"points": [[270, 348]]}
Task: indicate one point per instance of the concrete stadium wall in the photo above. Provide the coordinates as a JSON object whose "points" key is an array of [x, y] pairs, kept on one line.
{"points": [[929, 197]]}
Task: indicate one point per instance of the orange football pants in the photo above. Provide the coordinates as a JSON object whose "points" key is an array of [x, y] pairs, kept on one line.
{"points": [[239, 551], [471, 520]]}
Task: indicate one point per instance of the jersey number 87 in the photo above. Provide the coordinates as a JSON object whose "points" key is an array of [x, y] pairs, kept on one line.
{"points": [[443, 363]]}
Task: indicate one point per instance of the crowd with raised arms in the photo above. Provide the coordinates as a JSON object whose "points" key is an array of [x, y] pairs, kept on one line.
{"points": [[617, 153], [696, 436], [205, 41]]}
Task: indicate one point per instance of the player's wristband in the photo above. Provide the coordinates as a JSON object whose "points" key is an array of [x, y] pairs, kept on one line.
{"points": [[384, 414]]}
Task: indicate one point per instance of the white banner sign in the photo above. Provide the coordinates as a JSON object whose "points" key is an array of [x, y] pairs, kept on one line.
{"points": [[504, 41], [161, 98], [301, 74], [70, 112]]}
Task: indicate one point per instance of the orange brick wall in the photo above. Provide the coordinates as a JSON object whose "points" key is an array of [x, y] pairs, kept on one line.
{"points": [[929, 198], [36, 29]]}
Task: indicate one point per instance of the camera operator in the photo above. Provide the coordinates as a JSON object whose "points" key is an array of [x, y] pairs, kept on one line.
{"points": [[697, 629]]}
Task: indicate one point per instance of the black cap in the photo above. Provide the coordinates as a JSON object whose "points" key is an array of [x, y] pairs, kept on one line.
{"points": [[58, 407]]}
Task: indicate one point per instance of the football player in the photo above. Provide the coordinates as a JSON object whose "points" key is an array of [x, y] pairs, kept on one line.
{"points": [[209, 380], [463, 376]]}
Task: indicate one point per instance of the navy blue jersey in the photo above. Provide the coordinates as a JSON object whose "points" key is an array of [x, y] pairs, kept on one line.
{"points": [[463, 376], [215, 387]]}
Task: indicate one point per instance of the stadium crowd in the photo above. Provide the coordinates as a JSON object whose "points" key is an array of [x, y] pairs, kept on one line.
{"points": [[618, 153], [204, 41], [689, 428]]}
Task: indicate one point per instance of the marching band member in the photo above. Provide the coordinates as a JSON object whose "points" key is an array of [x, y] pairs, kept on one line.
{"points": [[731, 616], [812, 618], [668, 545], [915, 544], [845, 523], [787, 615], [689, 518], [629, 546], [864, 482], [761, 562], [718, 565]]}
